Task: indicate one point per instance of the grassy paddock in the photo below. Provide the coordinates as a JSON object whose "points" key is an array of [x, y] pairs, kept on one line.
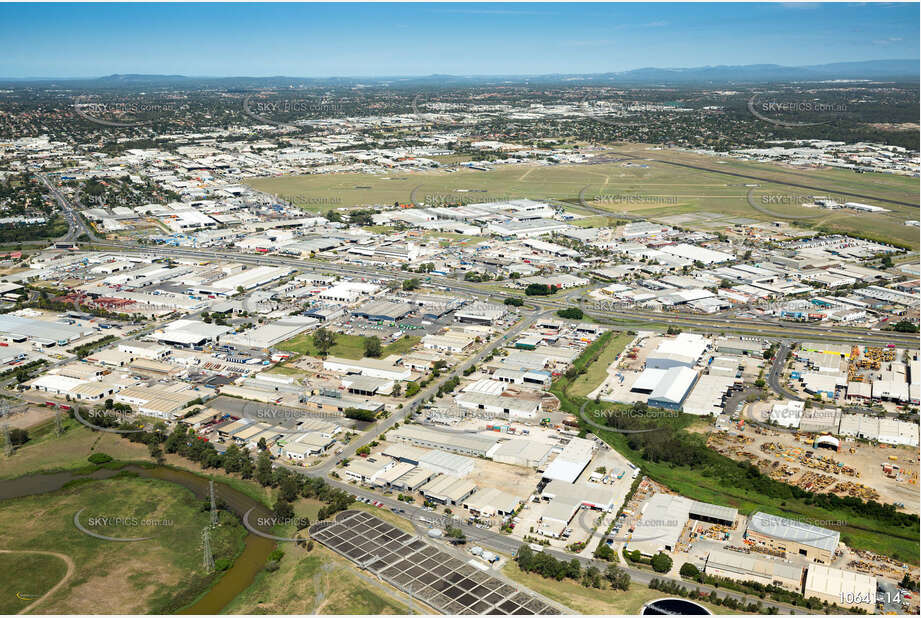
{"points": [[678, 190], [347, 346], [27, 577], [313, 582], [112, 577], [597, 371]]}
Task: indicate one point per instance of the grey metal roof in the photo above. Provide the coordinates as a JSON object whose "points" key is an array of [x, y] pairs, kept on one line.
{"points": [[793, 530]]}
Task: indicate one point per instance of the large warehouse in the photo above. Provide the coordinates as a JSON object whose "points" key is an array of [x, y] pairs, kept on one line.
{"points": [[268, 335], [664, 519], [753, 568], [446, 463], [672, 387], [846, 588], [16, 328], [462, 443], [569, 464], [682, 351], [522, 452], [794, 537], [383, 311]]}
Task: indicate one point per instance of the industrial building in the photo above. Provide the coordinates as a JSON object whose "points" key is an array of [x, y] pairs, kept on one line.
{"points": [[270, 334], [845, 588], [14, 328], [386, 368], [446, 463], [664, 517], [190, 333], [366, 471], [383, 311], [367, 386], [667, 388], [509, 407], [753, 568], [473, 445], [682, 351], [571, 461], [523, 452], [448, 489], [490, 502], [876, 429], [793, 537], [480, 313]]}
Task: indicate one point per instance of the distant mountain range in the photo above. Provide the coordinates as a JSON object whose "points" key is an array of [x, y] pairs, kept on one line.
{"points": [[873, 70]]}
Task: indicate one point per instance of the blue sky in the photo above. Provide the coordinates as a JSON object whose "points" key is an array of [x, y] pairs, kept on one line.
{"points": [[320, 40]]}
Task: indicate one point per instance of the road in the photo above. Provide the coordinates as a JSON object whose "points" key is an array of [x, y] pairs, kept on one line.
{"points": [[75, 223], [507, 545], [413, 404], [775, 376]]}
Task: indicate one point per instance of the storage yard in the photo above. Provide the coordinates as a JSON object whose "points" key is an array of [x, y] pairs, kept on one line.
{"points": [[871, 472]]}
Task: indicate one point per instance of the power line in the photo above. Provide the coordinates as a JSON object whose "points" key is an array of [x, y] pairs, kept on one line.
{"points": [[213, 507], [207, 561], [7, 440]]}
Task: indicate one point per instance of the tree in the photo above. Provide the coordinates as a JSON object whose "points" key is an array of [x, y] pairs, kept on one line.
{"points": [[359, 414], [397, 390], [411, 389], [262, 445], [539, 289], [283, 509], [264, 469], [411, 284], [323, 340], [661, 563], [618, 578], [513, 301], [604, 552], [572, 313], [373, 347], [689, 570], [904, 326]]}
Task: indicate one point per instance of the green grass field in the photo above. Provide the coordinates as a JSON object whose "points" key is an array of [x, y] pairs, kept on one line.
{"points": [[596, 372], [159, 575], [347, 346], [46, 451], [667, 190], [27, 577]]}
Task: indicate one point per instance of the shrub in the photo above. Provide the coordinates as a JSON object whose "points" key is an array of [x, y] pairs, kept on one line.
{"points": [[99, 458]]}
